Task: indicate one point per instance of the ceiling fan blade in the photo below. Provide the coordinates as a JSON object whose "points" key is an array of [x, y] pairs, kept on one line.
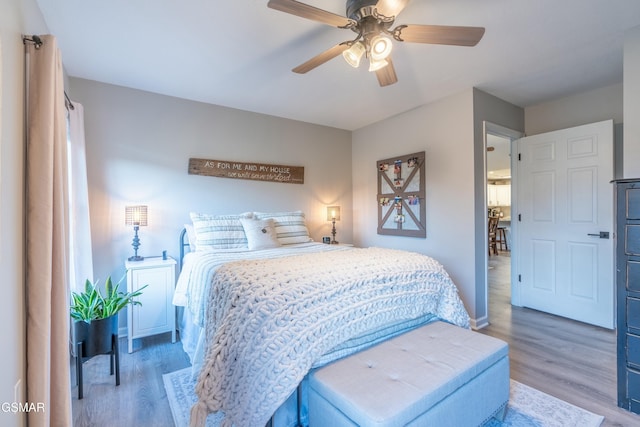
{"points": [[387, 75], [391, 8], [439, 34], [321, 59], [310, 12]]}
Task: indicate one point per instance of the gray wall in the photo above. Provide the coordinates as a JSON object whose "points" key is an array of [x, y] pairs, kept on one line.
{"points": [[486, 108], [588, 107], [444, 130], [632, 104], [138, 148], [450, 131], [592, 106]]}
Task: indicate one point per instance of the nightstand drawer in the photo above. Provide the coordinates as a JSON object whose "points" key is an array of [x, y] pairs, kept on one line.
{"points": [[152, 316]]}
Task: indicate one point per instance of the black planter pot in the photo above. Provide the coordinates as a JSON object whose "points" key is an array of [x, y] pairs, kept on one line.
{"points": [[96, 337]]}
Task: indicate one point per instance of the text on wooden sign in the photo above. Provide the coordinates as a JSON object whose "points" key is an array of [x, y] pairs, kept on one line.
{"points": [[253, 171]]}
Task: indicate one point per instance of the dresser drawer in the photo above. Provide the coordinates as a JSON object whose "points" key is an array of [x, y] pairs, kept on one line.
{"points": [[633, 313], [633, 388], [632, 239], [633, 351], [633, 276], [633, 203]]}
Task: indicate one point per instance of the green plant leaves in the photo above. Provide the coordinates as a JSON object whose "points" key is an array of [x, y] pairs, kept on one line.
{"points": [[92, 305]]}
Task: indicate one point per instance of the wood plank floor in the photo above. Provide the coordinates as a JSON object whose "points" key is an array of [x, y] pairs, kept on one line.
{"points": [[140, 399], [573, 361], [570, 360]]}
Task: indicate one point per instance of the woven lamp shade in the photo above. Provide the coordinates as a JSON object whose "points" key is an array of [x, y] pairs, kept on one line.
{"points": [[135, 215]]}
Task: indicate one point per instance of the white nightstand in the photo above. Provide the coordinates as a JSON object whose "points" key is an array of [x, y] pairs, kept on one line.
{"points": [[157, 313]]}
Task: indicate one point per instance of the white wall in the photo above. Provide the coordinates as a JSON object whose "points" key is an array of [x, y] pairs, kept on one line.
{"points": [[632, 104], [17, 17], [138, 148], [444, 130], [588, 107]]}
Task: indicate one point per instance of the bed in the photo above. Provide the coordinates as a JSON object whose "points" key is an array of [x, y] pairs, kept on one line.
{"points": [[258, 315]]}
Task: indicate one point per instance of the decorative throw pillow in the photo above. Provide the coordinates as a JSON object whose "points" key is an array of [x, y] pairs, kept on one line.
{"points": [[261, 233], [290, 226], [219, 231]]}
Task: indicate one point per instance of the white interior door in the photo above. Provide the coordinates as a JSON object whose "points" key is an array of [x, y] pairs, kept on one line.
{"points": [[565, 223]]}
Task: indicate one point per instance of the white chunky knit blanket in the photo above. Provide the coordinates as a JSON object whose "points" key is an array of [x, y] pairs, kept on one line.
{"points": [[199, 268], [267, 321]]}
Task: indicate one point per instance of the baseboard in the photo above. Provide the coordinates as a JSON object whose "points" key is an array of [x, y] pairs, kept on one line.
{"points": [[479, 323]]}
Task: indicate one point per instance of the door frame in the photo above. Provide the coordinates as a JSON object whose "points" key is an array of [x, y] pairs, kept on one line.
{"points": [[489, 128]]}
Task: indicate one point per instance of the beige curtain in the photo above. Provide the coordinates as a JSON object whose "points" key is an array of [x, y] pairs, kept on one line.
{"points": [[48, 365]]}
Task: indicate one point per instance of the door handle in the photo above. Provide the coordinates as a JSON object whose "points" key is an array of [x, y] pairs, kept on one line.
{"points": [[602, 235]]}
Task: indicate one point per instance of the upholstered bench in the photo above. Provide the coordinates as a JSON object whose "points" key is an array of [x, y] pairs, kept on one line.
{"points": [[436, 375]]}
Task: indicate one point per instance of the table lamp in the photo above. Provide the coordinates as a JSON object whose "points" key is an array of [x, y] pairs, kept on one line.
{"points": [[333, 215], [136, 216]]}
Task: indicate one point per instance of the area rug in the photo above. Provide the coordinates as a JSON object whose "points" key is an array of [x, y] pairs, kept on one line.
{"points": [[527, 407]]}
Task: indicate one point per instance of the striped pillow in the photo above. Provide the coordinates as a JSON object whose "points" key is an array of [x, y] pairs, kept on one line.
{"points": [[219, 231], [290, 227]]}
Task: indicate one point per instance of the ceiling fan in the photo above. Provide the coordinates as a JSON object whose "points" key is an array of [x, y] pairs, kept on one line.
{"points": [[372, 21]]}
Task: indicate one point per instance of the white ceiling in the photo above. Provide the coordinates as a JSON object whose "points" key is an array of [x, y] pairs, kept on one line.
{"points": [[239, 53]]}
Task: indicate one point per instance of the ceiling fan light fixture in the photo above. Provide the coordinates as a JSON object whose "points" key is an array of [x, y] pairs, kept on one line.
{"points": [[373, 22], [380, 47], [377, 64], [354, 54]]}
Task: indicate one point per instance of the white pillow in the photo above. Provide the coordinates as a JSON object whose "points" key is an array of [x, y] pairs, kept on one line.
{"points": [[291, 227], [219, 231], [261, 233]]}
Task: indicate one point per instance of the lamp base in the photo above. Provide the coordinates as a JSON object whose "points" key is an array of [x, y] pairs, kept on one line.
{"points": [[136, 258], [333, 232]]}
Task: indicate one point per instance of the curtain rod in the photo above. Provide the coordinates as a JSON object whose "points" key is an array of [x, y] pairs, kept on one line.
{"points": [[37, 41], [68, 102]]}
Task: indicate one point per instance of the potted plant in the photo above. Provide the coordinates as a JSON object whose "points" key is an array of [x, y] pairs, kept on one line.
{"points": [[96, 315]]}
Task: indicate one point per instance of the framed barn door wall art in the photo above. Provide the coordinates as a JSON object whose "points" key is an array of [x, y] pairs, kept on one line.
{"points": [[401, 196]]}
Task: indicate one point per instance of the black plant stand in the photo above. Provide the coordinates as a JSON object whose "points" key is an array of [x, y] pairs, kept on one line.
{"points": [[114, 362]]}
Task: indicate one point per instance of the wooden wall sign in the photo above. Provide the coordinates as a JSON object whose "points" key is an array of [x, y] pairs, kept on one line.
{"points": [[240, 170], [401, 196]]}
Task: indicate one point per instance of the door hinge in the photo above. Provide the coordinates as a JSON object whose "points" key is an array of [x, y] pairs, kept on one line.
{"points": [[519, 217], [519, 277], [519, 157]]}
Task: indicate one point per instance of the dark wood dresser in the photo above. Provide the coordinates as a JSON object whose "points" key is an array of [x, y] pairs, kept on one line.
{"points": [[628, 292]]}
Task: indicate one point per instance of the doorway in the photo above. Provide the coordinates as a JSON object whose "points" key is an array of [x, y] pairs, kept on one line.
{"points": [[500, 201], [499, 209]]}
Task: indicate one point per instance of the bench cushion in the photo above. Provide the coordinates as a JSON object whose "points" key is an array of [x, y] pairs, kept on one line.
{"points": [[395, 382]]}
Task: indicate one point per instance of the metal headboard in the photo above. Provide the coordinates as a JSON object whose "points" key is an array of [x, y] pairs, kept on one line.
{"points": [[184, 243]]}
